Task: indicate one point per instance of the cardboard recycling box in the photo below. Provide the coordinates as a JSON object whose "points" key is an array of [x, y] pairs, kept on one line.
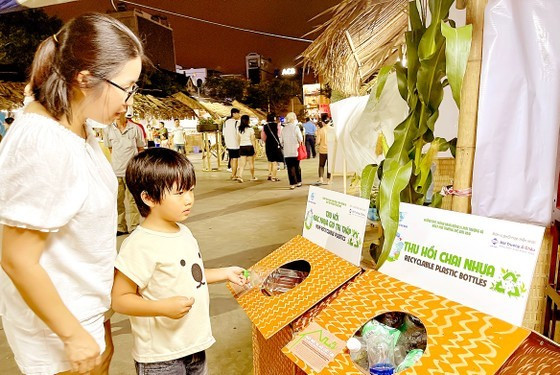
{"points": [[272, 316], [461, 340]]}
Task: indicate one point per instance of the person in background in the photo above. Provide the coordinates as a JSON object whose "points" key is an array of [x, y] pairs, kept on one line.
{"points": [[310, 129], [323, 152], [232, 141], [178, 138], [270, 134], [150, 136], [57, 199], [124, 140], [160, 280], [291, 138], [246, 137]]}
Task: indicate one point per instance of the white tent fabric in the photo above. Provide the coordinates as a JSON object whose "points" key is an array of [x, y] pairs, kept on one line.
{"points": [[15, 5], [358, 121], [519, 112]]}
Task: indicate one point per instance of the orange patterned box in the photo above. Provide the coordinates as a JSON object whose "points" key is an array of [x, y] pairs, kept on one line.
{"points": [[460, 340], [272, 313]]}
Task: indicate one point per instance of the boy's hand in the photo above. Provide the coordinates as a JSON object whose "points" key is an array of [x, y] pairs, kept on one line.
{"points": [[235, 275], [176, 307]]}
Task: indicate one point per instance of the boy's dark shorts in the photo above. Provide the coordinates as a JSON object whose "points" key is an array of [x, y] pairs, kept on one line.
{"points": [[194, 364]]}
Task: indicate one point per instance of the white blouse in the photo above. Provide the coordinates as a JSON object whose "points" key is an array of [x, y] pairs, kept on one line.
{"points": [[54, 181]]}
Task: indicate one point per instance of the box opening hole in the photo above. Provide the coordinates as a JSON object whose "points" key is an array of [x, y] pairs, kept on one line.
{"points": [[388, 344]]}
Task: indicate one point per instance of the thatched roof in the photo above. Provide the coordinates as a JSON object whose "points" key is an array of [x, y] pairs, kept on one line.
{"points": [[250, 111], [195, 105], [11, 95], [224, 110], [161, 108], [360, 37]]}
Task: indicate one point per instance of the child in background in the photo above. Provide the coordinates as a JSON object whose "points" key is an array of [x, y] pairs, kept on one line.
{"points": [[160, 281]]}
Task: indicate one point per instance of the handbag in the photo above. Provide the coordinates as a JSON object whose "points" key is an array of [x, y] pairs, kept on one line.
{"points": [[301, 152]]}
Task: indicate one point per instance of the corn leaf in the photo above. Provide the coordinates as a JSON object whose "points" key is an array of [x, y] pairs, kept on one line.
{"points": [[368, 178], [395, 179], [457, 49]]}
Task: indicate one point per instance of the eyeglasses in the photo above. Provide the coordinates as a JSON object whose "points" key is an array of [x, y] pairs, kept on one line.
{"points": [[133, 90]]}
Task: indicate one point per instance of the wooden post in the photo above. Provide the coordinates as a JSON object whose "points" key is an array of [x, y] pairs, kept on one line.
{"points": [[466, 137]]}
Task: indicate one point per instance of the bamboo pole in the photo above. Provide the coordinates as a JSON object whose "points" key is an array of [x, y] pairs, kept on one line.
{"points": [[466, 137]]}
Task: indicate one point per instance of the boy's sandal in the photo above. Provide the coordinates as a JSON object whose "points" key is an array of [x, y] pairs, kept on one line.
{"points": [[274, 179], [239, 179]]}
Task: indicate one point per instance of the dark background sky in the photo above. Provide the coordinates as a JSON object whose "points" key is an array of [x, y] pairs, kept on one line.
{"points": [[202, 45]]}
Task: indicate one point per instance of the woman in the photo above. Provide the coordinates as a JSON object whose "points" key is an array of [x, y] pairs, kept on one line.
{"points": [[322, 150], [246, 138], [271, 136], [58, 199], [291, 139]]}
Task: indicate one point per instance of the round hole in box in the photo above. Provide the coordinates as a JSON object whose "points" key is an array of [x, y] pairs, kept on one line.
{"points": [[392, 341], [286, 277]]}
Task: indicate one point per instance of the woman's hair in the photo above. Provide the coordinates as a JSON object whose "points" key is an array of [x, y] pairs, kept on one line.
{"points": [[92, 42], [320, 124], [271, 117], [244, 123], [156, 171], [291, 118]]}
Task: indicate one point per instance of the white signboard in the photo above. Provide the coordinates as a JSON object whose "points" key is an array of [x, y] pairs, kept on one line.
{"points": [[483, 263], [336, 222]]}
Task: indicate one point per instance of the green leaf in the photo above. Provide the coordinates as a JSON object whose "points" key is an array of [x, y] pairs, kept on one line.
{"points": [[405, 133], [437, 200], [431, 39], [430, 74], [368, 178], [453, 146], [382, 79], [425, 166], [414, 17], [412, 38], [457, 49], [401, 80], [395, 179]]}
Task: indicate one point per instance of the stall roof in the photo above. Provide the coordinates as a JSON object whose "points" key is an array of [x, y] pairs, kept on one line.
{"points": [[11, 95], [195, 105], [360, 37], [161, 108]]}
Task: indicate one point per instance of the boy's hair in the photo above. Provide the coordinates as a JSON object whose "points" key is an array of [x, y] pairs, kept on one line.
{"points": [[234, 110], [155, 171], [9, 120]]}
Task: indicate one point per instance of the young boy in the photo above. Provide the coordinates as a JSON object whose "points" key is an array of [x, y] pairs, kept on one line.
{"points": [[160, 280]]}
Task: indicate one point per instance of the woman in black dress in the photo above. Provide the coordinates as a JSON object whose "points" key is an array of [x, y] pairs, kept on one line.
{"points": [[271, 136]]}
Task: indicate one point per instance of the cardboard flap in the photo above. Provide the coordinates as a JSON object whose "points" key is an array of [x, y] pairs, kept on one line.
{"points": [[272, 313], [460, 340]]}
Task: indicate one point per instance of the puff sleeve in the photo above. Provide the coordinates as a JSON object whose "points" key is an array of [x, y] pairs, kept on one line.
{"points": [[42, 184]]}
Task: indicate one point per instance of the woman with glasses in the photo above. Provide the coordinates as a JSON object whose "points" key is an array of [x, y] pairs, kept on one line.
{"points": [[58, 199]]}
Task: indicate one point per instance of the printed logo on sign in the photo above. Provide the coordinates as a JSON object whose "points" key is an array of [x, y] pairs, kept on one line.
{"points": [[308, 219], [396, 249], [354, 212], [402, 216], [509, 283], [494, 242]]}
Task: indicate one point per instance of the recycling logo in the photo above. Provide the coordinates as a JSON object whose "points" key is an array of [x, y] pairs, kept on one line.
{"points": [[509, 283], [396, 249], [308, 219]]}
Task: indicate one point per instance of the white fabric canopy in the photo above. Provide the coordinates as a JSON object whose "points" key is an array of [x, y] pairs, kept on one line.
{"points": [[519, 112]]}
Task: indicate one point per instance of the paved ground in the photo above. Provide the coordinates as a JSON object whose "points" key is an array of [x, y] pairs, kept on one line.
{"points": [[235, 224]]}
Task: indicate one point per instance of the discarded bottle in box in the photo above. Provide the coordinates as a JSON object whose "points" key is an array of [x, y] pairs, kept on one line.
{"points": [[358, 351], [411, 358], [413, 335], [380, 341], [282, 280]]}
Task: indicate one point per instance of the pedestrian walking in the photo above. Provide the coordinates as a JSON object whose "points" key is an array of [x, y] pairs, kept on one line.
{"points": [[124, 140], [232, 141], [291, 139], [246, 136], [271, 134], [310, 130]]}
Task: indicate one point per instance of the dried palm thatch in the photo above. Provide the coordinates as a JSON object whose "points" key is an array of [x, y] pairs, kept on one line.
{"points": [[161, 108], [224, 110], [11, 95], [360, 37], [250, 111], [200, 109]]}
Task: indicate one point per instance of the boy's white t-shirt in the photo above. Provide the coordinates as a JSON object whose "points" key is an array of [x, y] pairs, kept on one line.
{"points": [[166, 265]]}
